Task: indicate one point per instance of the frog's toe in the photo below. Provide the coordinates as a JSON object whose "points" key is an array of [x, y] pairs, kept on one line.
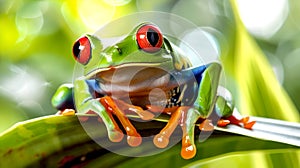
{"points": [[115, 135], [249, 125], [223, 123], [245, 121], [206, 125], [161, 141], [66, 112], [134, 140], [188, 151], [188, 147], [133, 137]]}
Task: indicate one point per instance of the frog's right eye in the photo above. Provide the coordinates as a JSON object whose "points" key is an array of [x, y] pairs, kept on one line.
{"points": [[82, 50], [149, 38]]}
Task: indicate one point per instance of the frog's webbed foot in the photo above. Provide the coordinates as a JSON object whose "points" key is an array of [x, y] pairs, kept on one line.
{"points": [[66, 112], [188, 148], [228, 116], [133, 137], [206, 125], [72, 112], [244, 121], [161, 140], [179, 117]]}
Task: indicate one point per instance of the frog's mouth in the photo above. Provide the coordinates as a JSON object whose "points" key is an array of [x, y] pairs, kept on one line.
{"points": [[132, 78], [129, 67]]}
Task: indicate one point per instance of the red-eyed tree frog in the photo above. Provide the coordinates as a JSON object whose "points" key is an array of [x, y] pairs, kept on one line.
{"points": [[145, 74]]}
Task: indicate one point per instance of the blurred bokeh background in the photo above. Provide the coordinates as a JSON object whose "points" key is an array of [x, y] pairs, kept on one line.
{"points": [[37, 38]]}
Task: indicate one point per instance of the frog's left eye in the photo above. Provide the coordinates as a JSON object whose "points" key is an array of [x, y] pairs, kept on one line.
{"points": [[82, 50], [149, 38]]}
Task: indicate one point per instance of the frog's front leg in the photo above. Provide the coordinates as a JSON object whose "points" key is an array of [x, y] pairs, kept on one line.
{"points": [[133, 137], [105, 108], [161, 140], [206, 102], [186, 116], [203, 107], [62, 100]]}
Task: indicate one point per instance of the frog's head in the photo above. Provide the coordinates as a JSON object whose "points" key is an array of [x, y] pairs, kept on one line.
{"points": [[144, 46]]}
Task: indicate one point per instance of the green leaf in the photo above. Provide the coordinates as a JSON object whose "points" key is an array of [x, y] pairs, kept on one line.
{"points": [[54, 141], [39, 138], [258, 91]]}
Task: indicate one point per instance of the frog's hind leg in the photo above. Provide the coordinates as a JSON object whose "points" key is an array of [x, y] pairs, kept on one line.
{"points": [[62, 100], [87, 103], [225, 110], [207, 95], [134, 138]]}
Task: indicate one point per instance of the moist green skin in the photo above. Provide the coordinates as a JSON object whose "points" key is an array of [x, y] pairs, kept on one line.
{"points": [[125, 72]]}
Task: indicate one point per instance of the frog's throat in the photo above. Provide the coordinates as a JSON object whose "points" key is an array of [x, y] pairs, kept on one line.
{"points": [[162, 65]]}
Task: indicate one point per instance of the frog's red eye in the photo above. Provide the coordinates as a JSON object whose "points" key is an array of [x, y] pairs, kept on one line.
{"points": [[82, 50], [149, 38]]}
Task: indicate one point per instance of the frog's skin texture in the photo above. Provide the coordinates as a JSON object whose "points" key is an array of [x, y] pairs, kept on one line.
{"points": [[121, 79]]}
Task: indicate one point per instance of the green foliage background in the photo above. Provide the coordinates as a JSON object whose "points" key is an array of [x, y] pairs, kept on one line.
{"points": [[37, 37]]}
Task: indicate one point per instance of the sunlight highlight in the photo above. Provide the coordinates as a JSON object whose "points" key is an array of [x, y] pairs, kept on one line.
{"points": [[263, 18], [95, 15]]}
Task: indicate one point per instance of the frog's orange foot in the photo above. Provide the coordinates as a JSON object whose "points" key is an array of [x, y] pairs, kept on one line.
{"points": [[223, 123], [188, 149], [66, 112], [135, 140], [206, 125], [116, 135], [161, 141], [178, 117], [188, 152], [245, 122], [71, 112]]}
